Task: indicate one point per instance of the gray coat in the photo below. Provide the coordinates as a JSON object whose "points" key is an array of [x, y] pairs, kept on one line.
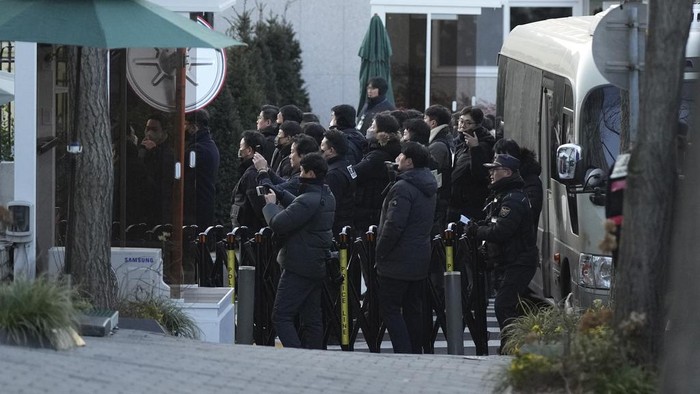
{"points": [[403, 241], [305, 225]]}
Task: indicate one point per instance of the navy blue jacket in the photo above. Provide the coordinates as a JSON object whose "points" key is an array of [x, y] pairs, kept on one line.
{"points": [[305, 225], [403, 241]]}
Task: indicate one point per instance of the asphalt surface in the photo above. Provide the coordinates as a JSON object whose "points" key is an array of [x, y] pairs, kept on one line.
{"points": [[142, 362]]}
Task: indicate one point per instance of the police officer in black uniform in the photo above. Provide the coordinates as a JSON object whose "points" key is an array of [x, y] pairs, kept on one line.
{"points": [[509, 235]]}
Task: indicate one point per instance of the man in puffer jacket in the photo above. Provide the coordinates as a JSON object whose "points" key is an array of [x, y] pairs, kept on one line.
{"points": [[305, 225], [403, 248]]}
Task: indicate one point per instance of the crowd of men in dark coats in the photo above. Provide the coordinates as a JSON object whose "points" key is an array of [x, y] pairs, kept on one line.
{"points": [[408, 172]]}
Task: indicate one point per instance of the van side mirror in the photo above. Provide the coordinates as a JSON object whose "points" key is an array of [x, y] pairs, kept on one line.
{"points": [[568, 157]]}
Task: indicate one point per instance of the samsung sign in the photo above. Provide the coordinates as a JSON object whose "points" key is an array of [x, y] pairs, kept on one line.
{"points": [[139, 259]]}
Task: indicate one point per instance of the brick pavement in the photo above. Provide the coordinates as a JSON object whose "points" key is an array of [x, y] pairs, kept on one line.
{"points": [[139, 362]]}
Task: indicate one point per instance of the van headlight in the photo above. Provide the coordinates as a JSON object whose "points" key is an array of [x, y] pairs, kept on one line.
{"points": [[595, 271]]}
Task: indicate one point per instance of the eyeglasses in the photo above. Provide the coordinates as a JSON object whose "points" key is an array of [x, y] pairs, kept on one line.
{"points": [[463, 120]]}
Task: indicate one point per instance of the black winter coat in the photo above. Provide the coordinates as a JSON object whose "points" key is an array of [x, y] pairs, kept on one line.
{"points": [[246, 205], [469, 176], [339, 181], [357, 145], [403, 240], [371, 178], [372, 107], [510, 237], [200, 182], [305, 225]]}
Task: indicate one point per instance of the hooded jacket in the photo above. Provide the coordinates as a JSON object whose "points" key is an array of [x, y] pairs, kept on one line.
{"points": [[403, 241], [305, 225], [345, 122]]}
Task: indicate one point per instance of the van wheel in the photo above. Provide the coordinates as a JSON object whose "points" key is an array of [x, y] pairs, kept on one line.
{"points": [[565, 280]]}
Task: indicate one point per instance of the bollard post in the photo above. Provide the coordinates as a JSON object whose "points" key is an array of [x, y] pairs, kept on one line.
{"points": [[231, 262], [246, 303], [449, 247], [344, 288], [202, 271], [453, 313]]}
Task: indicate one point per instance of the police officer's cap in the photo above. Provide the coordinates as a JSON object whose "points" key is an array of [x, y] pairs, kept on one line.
{"points": [[504, 160]]}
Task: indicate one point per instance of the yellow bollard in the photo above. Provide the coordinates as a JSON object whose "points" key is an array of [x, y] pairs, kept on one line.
{"points": [[344, 301], [231, 262], [449, 249]]}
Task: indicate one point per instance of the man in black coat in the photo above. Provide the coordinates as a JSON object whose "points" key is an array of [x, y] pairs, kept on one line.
{"points": [[200, 181], [267, 126], [280, 158], [343, 119], [305, 225], [376, 103], [158, 160], [403, 248], [246, 205], [334, 148], [371, 175], [469, 178], [510, 237]]}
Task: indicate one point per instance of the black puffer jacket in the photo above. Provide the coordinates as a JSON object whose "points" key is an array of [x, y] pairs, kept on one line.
{"points": [[508, 231], [305, 225], [403, 240], [371, 178]]}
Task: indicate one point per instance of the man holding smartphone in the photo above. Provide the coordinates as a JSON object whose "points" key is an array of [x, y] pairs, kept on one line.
{"points": [[305, 225]]}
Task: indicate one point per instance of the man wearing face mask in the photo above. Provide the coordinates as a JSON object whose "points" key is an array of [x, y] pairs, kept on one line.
{"points": [[158, 161], [246, 205]]}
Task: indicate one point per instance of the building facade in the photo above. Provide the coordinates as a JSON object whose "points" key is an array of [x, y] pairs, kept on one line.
{"points": [[444, 51]]}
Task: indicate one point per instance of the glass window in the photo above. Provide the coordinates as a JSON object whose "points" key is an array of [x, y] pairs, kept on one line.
{"points": [[523, 15], [470, 40]]}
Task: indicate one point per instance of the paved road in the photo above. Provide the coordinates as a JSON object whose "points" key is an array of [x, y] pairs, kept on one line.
{"points": [[441, 342], [141, 362]]}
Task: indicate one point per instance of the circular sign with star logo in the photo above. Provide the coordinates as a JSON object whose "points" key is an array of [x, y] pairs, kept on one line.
{"points": [[151, 74]]}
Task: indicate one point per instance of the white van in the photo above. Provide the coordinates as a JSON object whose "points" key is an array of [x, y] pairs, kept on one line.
{"points": [[550, 93]]}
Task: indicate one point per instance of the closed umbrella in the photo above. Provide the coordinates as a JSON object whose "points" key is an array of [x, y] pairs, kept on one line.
{"points": [[7, 87], [108, 24], [375, 53]]}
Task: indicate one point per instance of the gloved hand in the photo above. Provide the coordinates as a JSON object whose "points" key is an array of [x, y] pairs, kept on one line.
{"points": [[471, 229]]}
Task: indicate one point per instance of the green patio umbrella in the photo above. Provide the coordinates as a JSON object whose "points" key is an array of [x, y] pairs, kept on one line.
{"points": [[103, 24], [375, 53]]}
